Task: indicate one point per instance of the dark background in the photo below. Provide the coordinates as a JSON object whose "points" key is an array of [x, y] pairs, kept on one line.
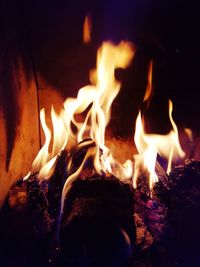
{"points": [[47, 35]]}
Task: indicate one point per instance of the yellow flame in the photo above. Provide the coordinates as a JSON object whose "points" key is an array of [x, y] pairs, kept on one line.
{"points": [[43, 155], [73, 177], [95, 100], [48, 169], [87, 27], [147, 153], [149, 145], [60, 132], [88, 115], [100, 96]]}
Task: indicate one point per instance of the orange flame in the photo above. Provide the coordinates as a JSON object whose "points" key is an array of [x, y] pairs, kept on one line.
{"points": [[149, 88], [188, 131], [87, 28]]}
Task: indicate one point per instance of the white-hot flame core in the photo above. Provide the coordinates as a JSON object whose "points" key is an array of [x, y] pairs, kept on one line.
{"points": [[147, 153], [47, 170], [60, 133]]}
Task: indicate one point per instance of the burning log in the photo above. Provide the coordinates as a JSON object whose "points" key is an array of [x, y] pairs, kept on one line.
{"points": [[97, 207], [98, 220]]}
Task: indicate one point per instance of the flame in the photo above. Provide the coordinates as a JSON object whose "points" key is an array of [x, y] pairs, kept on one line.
{"points": [[149, 88], [73, 176], [99, 96], [88, 115], [87, 27], [147, 153], [60, 139], [149, 145], [188, 131], [93, 105], [60, 133], [43, 155]]}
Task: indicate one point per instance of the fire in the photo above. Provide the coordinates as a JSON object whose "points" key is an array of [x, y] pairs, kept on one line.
{"points": [[189, 133], [100, 95], [84, 120], [149, 145], [61, 135], [147, 153], [149, 88], [95, 100], [87, 27], [43, 155], [44, 162]]}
